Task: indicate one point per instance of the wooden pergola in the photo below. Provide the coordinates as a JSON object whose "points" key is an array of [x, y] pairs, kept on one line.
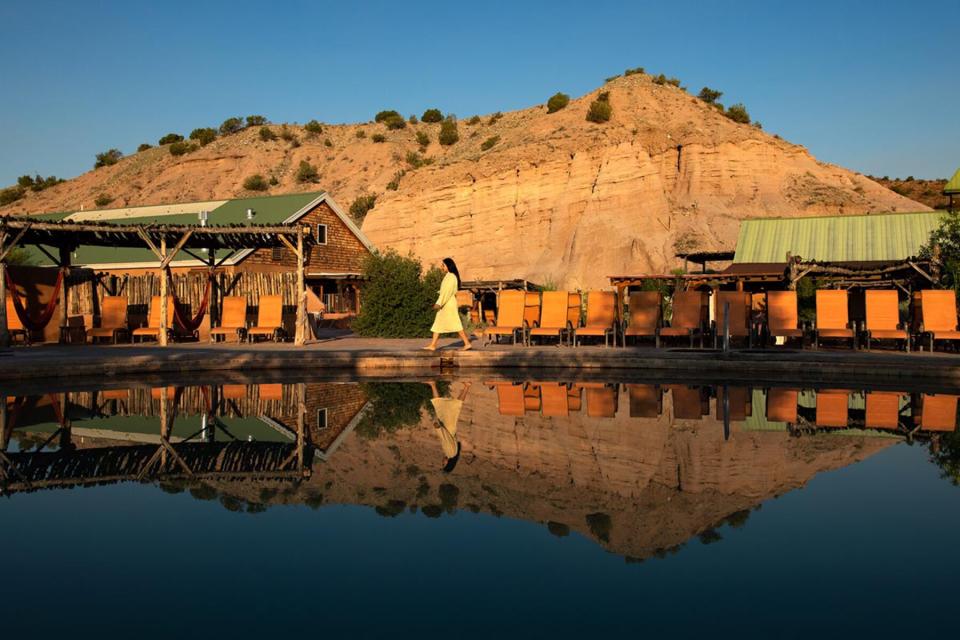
{"points": [[164, 241]]}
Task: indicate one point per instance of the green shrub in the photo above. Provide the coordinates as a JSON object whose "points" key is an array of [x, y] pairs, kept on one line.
{"points": [[11, 195], [494, 118], [474, 120], [557, 101], [144, 147], [757, 125], [256, 182], [393, 406], [274, 181], [490, 142], [448, 131], [231, 126], [204, 136], [267, 134], [603, 96], [256, 121], [708, 95], [600, 110], [286, 134], [675, 82], [361, 133], [610, 79], [361, 206], [25, 181], [37, 182], [633, 72], [738, 113], [170, 138], [431, 115], [945, 241], [102, 200], [412, 119], [414, 159], [394, 184], [107, 158], [313, 127], [382, 116], [307, 172], [327, 142], [397, 297], [181, 148], [422, 138], [395, 122], [378, 137]]}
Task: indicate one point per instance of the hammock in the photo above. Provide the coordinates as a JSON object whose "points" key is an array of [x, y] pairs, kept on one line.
{"points": [[180, 315], [45, 315]]}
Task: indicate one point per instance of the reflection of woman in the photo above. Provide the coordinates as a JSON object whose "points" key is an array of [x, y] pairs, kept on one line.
{"points": [[447, 412], [448, 316]]}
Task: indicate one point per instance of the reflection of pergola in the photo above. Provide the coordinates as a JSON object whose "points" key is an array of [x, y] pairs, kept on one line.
{"points": [[165, 241]]}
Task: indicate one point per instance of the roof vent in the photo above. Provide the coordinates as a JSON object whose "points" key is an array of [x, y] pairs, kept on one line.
{"points": [[202, 216], [250, 214]]}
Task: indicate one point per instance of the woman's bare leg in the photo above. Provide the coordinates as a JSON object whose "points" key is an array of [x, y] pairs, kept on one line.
{"points": [[433, 343], [466, 340]]}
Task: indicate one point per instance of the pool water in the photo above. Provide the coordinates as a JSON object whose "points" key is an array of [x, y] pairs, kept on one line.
{"points": [[479, 507]]}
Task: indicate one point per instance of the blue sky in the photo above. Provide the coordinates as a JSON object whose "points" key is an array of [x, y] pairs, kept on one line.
{"points": [[868, 85]]}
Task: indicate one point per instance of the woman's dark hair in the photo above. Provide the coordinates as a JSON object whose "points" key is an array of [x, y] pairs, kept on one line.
{"points": [[452, 462], [452, 268]]}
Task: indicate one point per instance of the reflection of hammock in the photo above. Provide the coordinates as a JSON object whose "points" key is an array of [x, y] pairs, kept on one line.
{"points": [[45, 315], [180, 314]]}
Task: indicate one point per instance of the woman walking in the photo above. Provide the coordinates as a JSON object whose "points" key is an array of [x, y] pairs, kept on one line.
{"points": [[448, 315]]}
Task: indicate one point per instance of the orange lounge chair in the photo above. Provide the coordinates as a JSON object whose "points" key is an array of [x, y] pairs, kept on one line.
{"points": [[938, 412], [113, 319], [556, 401], [939, 309], [602, 399], [233, 322], [646, 400], [269, 319], [782, 405], [832, 408], [510, 401], [14, 326], [601, 318], [152, 330], [739, 403], [689, 316], [510, 322], [739, 303], [783, 320], [554, 317], [882, 409], [643, 319], [832, 317], [689, 403], [883, 317]]}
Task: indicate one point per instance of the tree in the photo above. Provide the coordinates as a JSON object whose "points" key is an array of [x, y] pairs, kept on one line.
{"points": [[557, 101], [709, 95], [634, 71], [431, 115], [170, 138], [144, 147], [107, 158], [600, 110], [738, 113], [256, 121], [256, 182], [231, 126], [181, 148], [102, 200], [474, 120], [383, 116], [397, 297], [448, 131], [307, 172], [11, 195], [204, 136], [944, 247], [393, 406], [361, 206], [313, 127], [267, 135]]}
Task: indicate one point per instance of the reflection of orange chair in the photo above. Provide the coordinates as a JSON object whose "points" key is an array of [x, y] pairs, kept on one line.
{"points": [[739, 403], [157, 393], [601, 400], [939, 313], [271, 392], [555, 401], [938, 412], [689, 316], [510, 401], [689, 403], [782, 405], [882, 409], [832, 408], [574, 398], [233, 391], [833, 317], [115, 394], [531, 398], [646, 400]]}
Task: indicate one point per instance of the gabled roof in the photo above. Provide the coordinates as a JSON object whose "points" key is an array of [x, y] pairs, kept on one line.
{"points": [[879, 237], [953, 184]]}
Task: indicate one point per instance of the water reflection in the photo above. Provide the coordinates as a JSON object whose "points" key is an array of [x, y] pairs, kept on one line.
{"points": [[639, 467]]}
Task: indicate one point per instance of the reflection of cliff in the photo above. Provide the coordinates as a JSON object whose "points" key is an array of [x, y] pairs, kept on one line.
{"points": [[637, 485]]}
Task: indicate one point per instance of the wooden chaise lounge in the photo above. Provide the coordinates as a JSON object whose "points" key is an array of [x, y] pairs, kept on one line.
{"points": [[689, 316], [883, 318], [783, 319], [738, 302], [113, 319], [509, 322], [601, 318], [269, 319], [554, 317], [939, 312], [832, 317], [152, 330], [643, 316]]}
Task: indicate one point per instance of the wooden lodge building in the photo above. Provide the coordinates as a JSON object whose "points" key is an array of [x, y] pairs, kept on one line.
{"points": [[333, 260]]}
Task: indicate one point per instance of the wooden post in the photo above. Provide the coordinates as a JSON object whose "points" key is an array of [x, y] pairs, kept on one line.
{"points": [[5, 431], [301, 418], [4, 327], [301, 332], [164, 427], [162, 338], [64, 294]]}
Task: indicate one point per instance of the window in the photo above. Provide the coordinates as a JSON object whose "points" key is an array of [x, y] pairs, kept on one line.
{"points": [[321, 419], [321, 234], [277, 253]]}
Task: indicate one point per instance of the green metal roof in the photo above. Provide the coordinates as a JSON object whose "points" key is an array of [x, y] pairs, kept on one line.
{"points": [[244, 429], [866, 238], [953, 184]]}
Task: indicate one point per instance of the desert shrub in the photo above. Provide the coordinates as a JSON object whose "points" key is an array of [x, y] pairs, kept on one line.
{"points": [[603, 96], [709, 95], [738, 113], [600, 525], [362, 205], [144, 147], [945, 242], [102, 200], [231, 126], [361, 133], [397, 297], [170, 138], [414, 159], [107, 158], [395, 122], [11, 195], [423, 139], [256, 182], [412, 119], [37, 182], [313, 127], [307, 172], [267, 134], [378, 137], [394, 184], [674, 82], [274, 181], [328, 142], [757, 125], [662, 79], [490, 142], [256, 121], [393, 406], [494, 118], [432, 115], [181, 148], [204, 135], [610, 79], [474, 120], [286, 134], [557, 101], [600, 110], [633, 72], [448, 131], [295, 142], [385, 115]]}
